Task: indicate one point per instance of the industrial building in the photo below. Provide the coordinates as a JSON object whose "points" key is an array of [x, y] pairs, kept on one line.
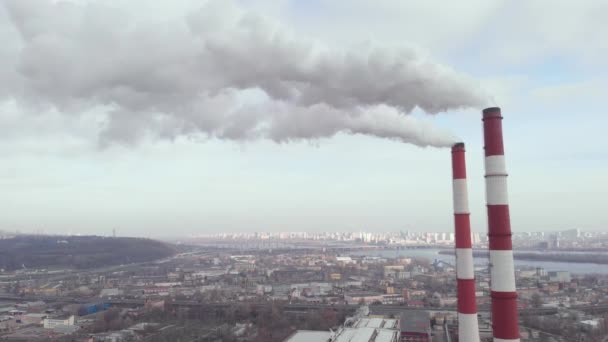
{"points": [[411, 326], [415, 326], [50, 323]]}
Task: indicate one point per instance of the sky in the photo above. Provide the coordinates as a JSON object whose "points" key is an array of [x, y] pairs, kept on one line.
{"points": [[113, 116]]}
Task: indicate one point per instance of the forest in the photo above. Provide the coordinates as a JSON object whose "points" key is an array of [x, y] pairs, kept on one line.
{"points": [[78, 252]]}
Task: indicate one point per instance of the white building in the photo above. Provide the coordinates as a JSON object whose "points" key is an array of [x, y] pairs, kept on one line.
{"points": [[51, 323], [345, 260], [110, 292], [590, 324], [363, 297], [360, 330]]}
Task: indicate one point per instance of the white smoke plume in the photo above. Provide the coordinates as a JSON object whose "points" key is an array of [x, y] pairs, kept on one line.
{"points": [[221, 72]]}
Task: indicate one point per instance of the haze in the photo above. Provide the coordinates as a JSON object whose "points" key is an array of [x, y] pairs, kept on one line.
{"points": [[83, 157]]}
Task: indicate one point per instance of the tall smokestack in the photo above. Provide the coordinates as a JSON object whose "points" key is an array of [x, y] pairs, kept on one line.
{"points": [[468, 327], [505, 323]]}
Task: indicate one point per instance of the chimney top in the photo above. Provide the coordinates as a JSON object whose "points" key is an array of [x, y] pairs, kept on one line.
{"points": [[492, 112], [458, 147]]}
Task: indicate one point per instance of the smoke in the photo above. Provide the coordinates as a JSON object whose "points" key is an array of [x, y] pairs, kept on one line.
{"points": [[221, 72]]}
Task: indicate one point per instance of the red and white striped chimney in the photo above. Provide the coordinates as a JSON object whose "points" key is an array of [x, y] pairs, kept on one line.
{"points": [[468, 326], [505, 324]]}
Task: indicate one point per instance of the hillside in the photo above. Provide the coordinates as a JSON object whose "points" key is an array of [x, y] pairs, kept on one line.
{"points": [[78, 251]]}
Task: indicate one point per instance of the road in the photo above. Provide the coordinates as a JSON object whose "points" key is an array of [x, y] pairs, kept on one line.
{"points": [[559, 338], [386, 309]]}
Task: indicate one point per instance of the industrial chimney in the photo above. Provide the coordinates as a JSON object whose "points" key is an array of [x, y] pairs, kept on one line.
{"points": [[468, 326], [505, 323]]}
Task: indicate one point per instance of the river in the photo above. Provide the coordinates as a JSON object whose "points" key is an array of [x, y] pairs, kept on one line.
{"points": [[432, 254]]}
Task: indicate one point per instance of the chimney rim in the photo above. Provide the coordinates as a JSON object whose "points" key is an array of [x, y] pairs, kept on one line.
{"points": [[459, 146], [492, 112]]}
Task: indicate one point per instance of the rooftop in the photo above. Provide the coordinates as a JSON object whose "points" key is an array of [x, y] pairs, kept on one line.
{"points": [[415, 321], [376, 323], [362, 330], [366, 334], [309, 336]]}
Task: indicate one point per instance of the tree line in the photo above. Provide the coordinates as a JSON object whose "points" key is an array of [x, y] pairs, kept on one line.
{"points": [[79, 252]]}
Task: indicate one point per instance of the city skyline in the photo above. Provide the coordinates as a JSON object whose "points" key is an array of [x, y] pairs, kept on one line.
{"points": [[58, 178]]}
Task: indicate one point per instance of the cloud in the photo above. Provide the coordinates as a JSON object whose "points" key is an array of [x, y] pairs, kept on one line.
{"points": [[548, 28], [575, 92], [494, 32], [190, 76], [433, 24]]}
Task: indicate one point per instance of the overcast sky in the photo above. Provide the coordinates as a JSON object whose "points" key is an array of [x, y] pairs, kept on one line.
{"points": [[159, 118]]}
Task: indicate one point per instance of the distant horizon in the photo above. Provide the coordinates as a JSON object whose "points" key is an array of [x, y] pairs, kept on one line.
{"points": [[202, 235]]}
